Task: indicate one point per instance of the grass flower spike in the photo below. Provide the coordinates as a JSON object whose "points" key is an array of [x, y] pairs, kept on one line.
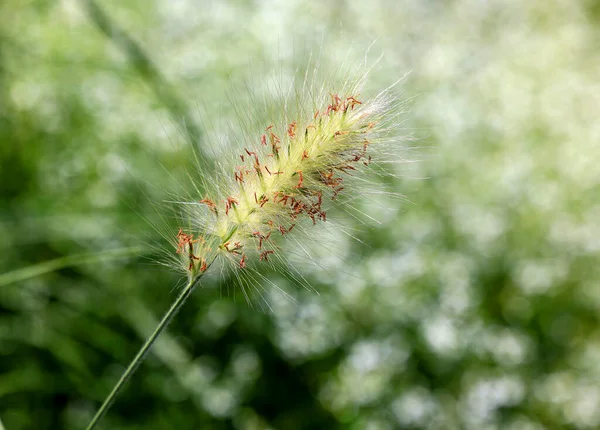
{"points": [[280, 183], [282, 179]]}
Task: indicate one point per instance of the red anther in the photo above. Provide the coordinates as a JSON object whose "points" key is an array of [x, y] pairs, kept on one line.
{"points": [[262, 201], [292, 129], [265, 255], [336, 191], [345, 168], [316, 115], [366, 163], [323, 215], [243, 262], [263, 139], [261, 238], [242, 157], [274, 141], [285, 231], [211, 205], [304, 155], [352, 102], [300, 180], [329, 180], [239, 176], [183, 240], [267, 169], [234, 250], [339, 133], [268, 128], [236, 247], [187, 239], [327, 176], [203, 266], [192, 258], [335, 102], [255, 199], [229, 204], [270, 223], [253, 154]]}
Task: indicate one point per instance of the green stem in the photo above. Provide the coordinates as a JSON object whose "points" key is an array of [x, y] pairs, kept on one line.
{"points": [[177, 304], [62, 262], [141, 61]]}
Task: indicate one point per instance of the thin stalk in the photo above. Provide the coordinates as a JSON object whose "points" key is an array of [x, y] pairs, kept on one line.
{"points": [[38, 269], [147, 68], [177, 304]]}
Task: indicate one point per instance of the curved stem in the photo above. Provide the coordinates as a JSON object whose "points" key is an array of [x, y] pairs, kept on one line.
{"points": [[177, 304], [147, 68]]}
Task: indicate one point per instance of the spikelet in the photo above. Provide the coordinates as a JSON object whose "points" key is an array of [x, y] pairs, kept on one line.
{"points": [[284, 179]]}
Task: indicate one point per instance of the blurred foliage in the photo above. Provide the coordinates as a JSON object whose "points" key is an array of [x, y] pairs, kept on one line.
{"points": [[476, 306]]}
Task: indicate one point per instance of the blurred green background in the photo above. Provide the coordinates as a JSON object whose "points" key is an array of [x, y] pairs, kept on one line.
{"points": [[476, 305]]}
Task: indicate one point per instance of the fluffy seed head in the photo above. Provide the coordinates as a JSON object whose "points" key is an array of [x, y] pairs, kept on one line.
{"points": [[285, 176]]}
